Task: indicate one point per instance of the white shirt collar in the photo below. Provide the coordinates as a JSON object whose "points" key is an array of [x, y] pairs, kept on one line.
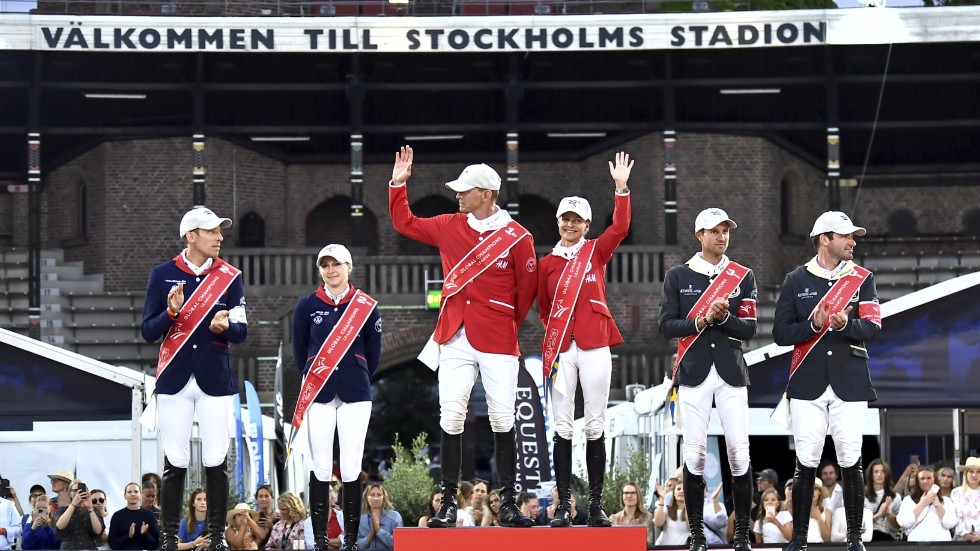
{"points": [[338, 298], [702, 266], [198, 270], [495, 221], [568, 253]]}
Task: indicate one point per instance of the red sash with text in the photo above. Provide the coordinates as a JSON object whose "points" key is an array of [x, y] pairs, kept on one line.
{"points": [[333, 349], [563, 304], [837, 297], [723, 286], [218, 279], [481, 257]]}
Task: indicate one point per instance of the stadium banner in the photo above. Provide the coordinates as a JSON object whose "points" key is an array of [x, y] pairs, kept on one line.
{"points": [[253, 433], [557, 33], [533, 454]]}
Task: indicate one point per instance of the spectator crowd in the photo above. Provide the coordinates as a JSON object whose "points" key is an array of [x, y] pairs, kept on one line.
{"points": [[925, 504]]}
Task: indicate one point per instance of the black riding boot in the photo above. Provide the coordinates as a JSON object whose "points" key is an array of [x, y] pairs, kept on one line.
{"points": [[563, 482], [853, 484], [452, 455], [694, 500], [595, 464], [742, 500], [319, 511], [172, 499], [803, 482], [352, 513], [216, 485], [506, 454]]}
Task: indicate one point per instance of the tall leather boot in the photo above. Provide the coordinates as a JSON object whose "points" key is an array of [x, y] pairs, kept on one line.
{"points": [[352, 513], [171, 501], [216, 485], [742, 500], [694, 501], [452, 458], [506, 453], [853, 483], [803, 482], [319, 511], [563, 481], [595, 464]]}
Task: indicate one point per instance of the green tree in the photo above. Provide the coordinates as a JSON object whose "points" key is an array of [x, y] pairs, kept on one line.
{"points": [[637, 471], [409, 485]]}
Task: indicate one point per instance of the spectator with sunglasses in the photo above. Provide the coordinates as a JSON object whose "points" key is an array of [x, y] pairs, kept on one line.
{"points": [[102, 508], [133, 527], [80, 525]]}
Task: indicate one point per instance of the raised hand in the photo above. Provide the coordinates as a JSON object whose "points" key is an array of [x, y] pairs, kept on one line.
{"points": [[175, 298], [821, 313], [403, 165], [620, 172], [144, 528], [219, 324]]}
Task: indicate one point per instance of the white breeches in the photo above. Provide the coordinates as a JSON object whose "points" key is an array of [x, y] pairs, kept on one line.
{"points": [[733, 411], [459, 365], [594, 369], [351, 423], [812, 418], [176, 419]]}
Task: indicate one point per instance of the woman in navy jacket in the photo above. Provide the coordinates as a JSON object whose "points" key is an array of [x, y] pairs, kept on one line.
{"points": [[344, 402]]}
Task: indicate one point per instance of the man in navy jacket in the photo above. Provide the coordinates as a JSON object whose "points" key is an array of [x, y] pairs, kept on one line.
{"points": [[195, 373]]}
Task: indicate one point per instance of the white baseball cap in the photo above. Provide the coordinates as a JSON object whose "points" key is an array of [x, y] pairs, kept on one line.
{"points": [[837, 222], [476, 176], [709, 218], [202, 218], [577, 205], [337, 252]]}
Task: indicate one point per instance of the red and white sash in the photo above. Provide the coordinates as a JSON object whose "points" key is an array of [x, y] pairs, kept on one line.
{"points": [[722, 287], [481, 257], [195, 309], [837, 297], [563, 304], [332, 351]]}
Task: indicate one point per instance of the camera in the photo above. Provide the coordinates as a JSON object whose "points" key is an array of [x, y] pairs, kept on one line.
{"points": [[5, 488]]}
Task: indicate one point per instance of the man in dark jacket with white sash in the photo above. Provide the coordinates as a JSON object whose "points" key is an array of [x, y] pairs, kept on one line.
{"points": [[828, 311], [709, 305], [490, 281], [194, 373]]}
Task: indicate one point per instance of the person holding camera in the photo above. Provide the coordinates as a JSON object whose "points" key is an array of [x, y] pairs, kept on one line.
{"points": [[9, 521], [925, 515], [80, 525], [40, 533], [133, 527]]}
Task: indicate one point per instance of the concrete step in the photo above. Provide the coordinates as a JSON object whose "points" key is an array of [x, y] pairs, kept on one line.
{"points": [[62, 273], [70, 287], [48, 256], [112, 318], [139, 351], [18, 271], [81, 333], [106, 300]]}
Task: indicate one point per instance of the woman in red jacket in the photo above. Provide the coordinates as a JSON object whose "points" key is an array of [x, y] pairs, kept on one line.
{"points": [[579, 330]]}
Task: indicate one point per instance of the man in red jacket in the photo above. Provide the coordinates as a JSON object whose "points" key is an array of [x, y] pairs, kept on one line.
{"points": [[489, 266]]}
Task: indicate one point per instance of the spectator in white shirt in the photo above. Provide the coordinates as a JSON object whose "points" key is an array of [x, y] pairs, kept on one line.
{"points": [[9, 524], [924, 515], [829, 473]]}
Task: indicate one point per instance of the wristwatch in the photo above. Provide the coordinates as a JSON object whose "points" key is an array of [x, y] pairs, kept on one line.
{"points": [[624, 191]]}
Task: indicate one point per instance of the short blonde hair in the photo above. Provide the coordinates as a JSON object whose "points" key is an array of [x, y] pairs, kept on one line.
{"points": [[293, 504]]}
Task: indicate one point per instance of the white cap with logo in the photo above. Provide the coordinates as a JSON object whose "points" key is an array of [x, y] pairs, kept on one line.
{"points": [[837, 222], [577, 205], [709, 218], [202, 218], [337, 252], [476, 176]]}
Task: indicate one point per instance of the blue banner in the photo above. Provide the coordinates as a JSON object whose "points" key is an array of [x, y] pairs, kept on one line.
{"points": [[253, 433], [239, 449]]}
